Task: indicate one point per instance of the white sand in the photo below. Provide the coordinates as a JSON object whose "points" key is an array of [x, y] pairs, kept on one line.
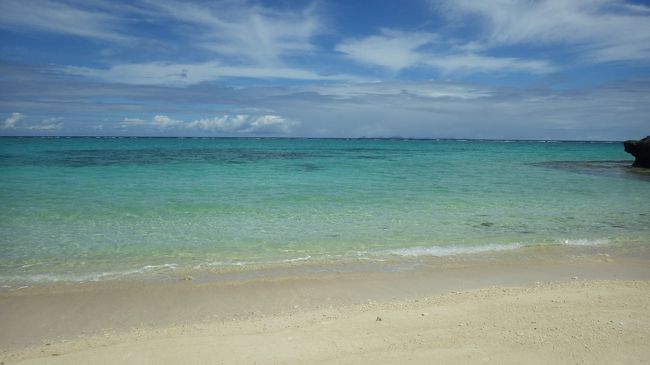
{"points": [[572, 322]]}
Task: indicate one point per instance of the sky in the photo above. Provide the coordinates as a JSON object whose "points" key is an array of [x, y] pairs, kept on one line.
{"points": [[500, 69]]}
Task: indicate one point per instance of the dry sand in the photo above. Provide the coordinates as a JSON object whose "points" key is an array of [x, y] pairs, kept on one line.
{"points": [[567, 321]]}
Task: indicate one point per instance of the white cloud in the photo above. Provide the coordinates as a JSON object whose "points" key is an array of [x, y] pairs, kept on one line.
{"points": [[132, 121], [422, 89], [164, 121], [47, 125], [392, 49], [269, 123], [242, 30], [598, 30], [226, 123], [243, 123], [250, 37], [396, 50], [605, 30], [172, 74], [476, 63], [236, 123], [10, 122], [59, 17]]}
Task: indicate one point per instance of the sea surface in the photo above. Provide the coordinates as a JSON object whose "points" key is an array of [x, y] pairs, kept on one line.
{"points": [[79, 209]]}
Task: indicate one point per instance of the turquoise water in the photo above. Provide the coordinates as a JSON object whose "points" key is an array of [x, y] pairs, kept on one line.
{"points": [[94, 208]]}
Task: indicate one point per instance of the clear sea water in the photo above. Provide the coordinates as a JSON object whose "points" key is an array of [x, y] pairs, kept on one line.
{"points": [[75, 209]]}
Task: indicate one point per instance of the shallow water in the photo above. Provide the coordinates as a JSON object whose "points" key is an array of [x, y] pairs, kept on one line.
{"points": [[98, 208]]}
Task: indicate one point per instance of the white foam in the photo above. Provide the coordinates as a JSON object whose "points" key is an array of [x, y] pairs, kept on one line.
{"points": [[585, 242], [451, 250], [97, 276], [298, 259], [245, 263]]}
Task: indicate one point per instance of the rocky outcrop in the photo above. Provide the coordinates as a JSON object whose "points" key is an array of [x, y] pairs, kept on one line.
{"points": [[640, 150]]}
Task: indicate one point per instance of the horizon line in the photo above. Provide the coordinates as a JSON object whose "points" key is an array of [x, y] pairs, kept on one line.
{"points": [[459, 139]]}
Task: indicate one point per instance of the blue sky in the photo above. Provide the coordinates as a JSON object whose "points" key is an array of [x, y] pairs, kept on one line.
{"points": [[505, 69]]}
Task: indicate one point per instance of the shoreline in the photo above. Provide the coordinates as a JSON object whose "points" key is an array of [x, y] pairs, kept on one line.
{"points": [[414, 258], [102, 313]]}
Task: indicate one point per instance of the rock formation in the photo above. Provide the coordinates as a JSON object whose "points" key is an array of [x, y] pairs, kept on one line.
{"points": [[640, 150]]}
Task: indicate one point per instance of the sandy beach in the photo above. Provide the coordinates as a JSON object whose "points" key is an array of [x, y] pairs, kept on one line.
{"points": [[580, 310]]}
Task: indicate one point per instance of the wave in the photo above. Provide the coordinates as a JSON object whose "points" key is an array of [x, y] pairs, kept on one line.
{"points": [[439, 251], [298, 259], [453, 250], [585, 242], [213, 264], [89, 277]]}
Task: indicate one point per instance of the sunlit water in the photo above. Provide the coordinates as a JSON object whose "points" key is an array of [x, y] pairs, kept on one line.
{"points": [[88, 208]]}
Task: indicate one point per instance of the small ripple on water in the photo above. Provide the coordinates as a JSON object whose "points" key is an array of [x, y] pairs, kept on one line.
{"points": [[621, 169], [148, 156]]}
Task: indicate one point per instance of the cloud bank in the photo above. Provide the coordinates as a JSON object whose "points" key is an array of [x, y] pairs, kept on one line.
{"points": [[602, 30], [10, 121], [397, 50], [239, 124], [49, 124]]}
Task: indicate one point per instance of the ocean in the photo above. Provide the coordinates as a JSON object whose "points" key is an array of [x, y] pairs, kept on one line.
{"points": [[86, 209]]}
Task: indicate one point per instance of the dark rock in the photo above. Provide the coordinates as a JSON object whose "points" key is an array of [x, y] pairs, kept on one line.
{"points": [[640, 150]]}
